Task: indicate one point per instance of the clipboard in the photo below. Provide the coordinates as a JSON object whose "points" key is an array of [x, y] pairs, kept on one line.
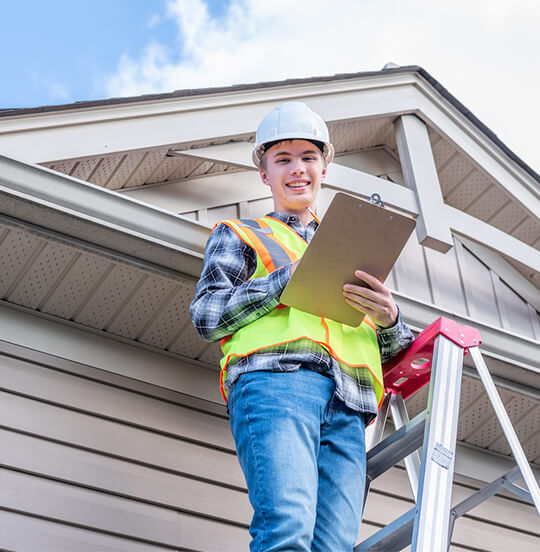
{"points": [[354, 234]]}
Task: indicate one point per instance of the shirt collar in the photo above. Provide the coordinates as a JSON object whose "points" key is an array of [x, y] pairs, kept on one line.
{"points": [[289, 219]]}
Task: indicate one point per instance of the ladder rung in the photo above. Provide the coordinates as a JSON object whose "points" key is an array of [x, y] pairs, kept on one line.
{"points": [[395, 536], [486, 492], [395, 447], [519, 491]]}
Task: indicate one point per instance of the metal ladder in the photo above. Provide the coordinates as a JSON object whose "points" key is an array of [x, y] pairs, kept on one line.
{"points": [[434, 358]]}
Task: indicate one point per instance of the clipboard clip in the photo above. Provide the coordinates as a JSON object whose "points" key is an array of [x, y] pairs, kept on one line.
{"points": [[376, 199]]}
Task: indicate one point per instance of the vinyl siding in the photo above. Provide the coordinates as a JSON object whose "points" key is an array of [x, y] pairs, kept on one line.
{"points": [[90, 463]]}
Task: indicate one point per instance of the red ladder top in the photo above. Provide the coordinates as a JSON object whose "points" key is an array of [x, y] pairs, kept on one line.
{"points": [[410, 370]]}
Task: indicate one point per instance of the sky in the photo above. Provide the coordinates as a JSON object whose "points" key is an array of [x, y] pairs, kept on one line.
{"points": [[485, 52]]}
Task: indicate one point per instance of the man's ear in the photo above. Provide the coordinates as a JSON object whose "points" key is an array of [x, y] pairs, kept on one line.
{"points": [[325, 168], [264, 176]]}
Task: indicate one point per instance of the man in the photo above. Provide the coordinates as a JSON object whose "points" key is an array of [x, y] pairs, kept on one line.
{"points": [[300, 389]]}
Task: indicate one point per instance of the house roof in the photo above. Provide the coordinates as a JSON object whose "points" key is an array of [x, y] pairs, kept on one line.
{"points": [[270, 84], [77, 252]]}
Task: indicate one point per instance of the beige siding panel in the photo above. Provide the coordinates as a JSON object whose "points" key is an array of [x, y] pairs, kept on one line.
{"points": [[223, 212], [119, 440], [119, 516], [123, 462], [122, 478], [26, 533], [410, 272], [478, 288], [445, 280], [478, 535], [260, 207], [514, 310], [113, 403]]}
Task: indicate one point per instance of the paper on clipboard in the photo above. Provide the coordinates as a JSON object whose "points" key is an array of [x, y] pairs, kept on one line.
{"points": [[354, 234]]}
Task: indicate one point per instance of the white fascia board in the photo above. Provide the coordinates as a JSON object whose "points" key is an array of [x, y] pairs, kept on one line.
{"points": [[266, 96], [116, 128], [57, 202], [40, 138]]}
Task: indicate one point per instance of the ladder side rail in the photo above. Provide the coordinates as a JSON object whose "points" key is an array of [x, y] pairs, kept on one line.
{"points": [[430, 532], [400, 416], [506, 426], [374, 435], [375, 431]]}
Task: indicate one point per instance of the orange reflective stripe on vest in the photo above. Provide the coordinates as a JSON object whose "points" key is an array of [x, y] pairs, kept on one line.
{"points": [[276, 245]]}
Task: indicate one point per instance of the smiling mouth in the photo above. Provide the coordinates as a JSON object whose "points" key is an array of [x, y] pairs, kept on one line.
{"points": [[297, 184]]}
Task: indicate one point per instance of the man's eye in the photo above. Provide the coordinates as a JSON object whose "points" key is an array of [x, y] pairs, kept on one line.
{"points": [[283, 160]]}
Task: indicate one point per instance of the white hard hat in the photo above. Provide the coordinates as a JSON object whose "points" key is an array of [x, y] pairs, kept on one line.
{"points": [[290, 121]]}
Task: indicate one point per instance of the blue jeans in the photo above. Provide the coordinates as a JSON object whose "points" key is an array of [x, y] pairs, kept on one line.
{"points": [[302, 452]]}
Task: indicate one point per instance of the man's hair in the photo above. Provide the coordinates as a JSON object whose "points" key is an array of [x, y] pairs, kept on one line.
{"points": [[268, 145]]}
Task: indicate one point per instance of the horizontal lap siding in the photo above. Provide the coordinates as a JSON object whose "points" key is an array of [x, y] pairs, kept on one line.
{"points": [[89, 465], [92, 466]]}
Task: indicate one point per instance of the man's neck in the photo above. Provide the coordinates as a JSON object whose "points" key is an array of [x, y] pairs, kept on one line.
{"points": [[303, 216]]}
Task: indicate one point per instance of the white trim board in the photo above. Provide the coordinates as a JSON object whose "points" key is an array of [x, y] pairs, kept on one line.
{"points": [[140, 125]]}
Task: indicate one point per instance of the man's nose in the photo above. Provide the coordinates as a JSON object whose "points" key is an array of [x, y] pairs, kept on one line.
{"points": [[298, 167]]}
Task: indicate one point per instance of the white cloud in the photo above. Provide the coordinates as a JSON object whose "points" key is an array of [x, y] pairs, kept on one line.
{"points": [[483, 51]]}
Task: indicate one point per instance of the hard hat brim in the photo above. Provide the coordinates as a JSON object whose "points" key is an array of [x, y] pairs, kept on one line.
{"points": [[259, 150]]}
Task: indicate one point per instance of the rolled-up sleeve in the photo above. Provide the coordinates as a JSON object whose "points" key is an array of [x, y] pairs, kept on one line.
{"points": [[394, 339]]}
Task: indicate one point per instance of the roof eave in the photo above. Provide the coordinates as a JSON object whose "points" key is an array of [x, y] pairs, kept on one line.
{"points": [[98, 217], [434, 83]]}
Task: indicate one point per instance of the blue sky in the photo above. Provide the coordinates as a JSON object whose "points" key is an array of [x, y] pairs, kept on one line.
{"points": [[485, 52], [60, 51]]}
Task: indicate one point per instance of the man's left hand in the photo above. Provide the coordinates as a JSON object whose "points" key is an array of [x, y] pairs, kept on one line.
{"points": [[376, 301]]}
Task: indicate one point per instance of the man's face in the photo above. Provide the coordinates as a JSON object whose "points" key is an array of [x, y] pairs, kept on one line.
{"points": [[294, 170]]}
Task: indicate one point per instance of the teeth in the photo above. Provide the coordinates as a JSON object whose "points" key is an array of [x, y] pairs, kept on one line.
{"points": [[296, 184]]}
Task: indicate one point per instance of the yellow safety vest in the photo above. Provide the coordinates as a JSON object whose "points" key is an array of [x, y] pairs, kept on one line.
{"points": [[276, 244]]}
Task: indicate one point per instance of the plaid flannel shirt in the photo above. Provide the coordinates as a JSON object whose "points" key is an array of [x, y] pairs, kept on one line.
{"points": [[226, 300]]}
